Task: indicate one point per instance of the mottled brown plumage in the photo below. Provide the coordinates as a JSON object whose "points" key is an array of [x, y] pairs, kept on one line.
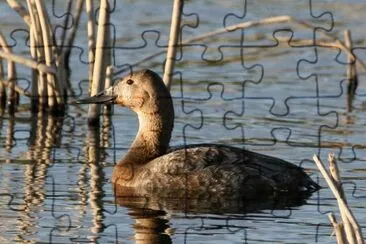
{"points": [[149, 167]]}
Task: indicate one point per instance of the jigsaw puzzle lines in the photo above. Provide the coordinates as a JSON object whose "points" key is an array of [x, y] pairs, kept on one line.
{"points": [[256, 106]]}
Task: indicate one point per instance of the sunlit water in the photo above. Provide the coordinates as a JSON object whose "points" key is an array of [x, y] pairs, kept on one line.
{"points": [[55, 174]]}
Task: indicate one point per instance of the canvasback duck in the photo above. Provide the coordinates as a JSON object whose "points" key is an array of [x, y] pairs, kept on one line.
{"points": [[150, 165]]}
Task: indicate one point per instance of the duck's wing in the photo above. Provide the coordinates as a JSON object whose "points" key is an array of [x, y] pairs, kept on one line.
{"points": [[225, 163], [205, 155]]}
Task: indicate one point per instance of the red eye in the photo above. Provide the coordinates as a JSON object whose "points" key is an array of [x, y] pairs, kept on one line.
{"points": [[129, 82]]}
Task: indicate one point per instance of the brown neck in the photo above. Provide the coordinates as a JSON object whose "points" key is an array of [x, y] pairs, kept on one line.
{"points": [[153, 137]]}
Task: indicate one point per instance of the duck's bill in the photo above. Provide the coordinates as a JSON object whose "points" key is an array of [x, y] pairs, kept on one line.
{"points": [[104, 97]]}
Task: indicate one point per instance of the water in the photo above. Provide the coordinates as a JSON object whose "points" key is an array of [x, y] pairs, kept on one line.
{"points": [[55, 174]]}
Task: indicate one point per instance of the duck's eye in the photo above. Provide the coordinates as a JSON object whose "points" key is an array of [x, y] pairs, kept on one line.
{"points": [[129, 82]]}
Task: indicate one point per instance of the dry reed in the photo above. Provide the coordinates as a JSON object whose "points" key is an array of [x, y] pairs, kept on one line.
{"points": [[351, 71], [91, 38], [11, 79], [66, 24], [49, 61], [2, 88], [173, 42], [98, 72], [349, 231], [39, 91], [108, 109]]}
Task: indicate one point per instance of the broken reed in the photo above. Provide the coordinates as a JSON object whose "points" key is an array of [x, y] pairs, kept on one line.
{"points": [[348, 230]]}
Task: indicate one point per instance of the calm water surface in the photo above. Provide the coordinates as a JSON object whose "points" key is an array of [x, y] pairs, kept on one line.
{"points": [[55, 173]]}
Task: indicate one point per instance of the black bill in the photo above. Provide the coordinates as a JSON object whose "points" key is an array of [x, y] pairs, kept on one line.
{"points": [[104, 97]]}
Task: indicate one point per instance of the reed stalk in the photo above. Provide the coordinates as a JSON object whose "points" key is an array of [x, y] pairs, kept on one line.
{"points": [[66, 24], [49, 74], [9, 137], [39, 79], [353, 231], [2, 88], [338, 229], [98, 72], [173, 42], [65, 51], [334, 172], [21, 10], [71, 36], [28, 62], [108, 109], [12, 94], [18, 89], [34, 88], [351, 71], [91, 39], [54, 97]]}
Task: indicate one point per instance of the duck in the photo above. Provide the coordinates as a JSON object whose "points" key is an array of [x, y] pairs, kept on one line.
{"points": [[150, 165]]}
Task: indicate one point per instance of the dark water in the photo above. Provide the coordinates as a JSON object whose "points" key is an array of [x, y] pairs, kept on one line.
{"points": [[55, 173]]}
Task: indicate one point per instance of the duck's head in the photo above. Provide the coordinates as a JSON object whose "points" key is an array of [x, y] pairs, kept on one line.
{"points": [[142, 91]]}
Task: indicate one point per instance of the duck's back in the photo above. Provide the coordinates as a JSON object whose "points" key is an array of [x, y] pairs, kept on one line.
{"points": [[222, 170]]}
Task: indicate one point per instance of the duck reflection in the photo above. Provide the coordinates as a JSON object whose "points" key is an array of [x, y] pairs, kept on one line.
{"points": [[152, 221], [151, 226]]}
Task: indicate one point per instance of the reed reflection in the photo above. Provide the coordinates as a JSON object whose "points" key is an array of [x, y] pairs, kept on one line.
{"points": [[45, 134], [97, 140]]}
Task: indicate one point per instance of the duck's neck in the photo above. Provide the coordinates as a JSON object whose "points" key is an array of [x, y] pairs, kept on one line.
{"points": [[152, 140]]}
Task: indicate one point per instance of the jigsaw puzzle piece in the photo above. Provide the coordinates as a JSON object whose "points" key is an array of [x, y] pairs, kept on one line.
{"points": [[280, 84], [346, 15], [210, 46], [137, 39], [206, 116], [301, 128], [360, 152], [328, 71], [129, 53], [231, 71]]}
